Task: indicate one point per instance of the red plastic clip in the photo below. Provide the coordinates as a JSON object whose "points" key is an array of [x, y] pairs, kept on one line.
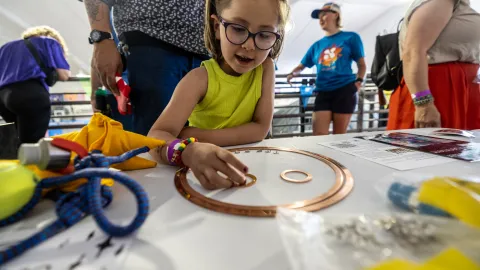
{"points": [[123, 100], [72, 147]]}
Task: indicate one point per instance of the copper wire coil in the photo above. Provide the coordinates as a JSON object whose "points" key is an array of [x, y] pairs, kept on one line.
{"points": [[342, 187]]}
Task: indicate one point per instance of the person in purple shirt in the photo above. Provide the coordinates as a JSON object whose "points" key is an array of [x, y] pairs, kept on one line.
{"points": [[24, 93]]}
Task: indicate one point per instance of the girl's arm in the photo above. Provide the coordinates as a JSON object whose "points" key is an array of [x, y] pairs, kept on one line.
{"points": [[251, 132], [189, 91]]}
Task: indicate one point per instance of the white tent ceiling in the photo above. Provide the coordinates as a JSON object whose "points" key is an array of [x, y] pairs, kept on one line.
{"points": [[367, 17]]}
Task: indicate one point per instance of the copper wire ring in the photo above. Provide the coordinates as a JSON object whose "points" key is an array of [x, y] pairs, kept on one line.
{"points": [[308, 177], [247, 183], [342, 187]]}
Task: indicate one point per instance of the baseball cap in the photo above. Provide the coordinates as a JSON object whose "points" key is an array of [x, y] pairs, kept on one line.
{"points": [[327, 7]]}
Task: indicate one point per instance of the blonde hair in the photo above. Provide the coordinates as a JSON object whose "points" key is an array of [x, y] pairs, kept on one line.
{"points": [[215, 7], [45, 31]]}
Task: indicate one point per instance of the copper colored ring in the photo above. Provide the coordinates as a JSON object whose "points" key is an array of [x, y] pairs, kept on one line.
{"points": [[247, 183], [284, 176], [342, 187]]}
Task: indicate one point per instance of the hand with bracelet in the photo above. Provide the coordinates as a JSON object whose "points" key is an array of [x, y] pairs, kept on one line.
{"points": [[206, 162], [426, 114]]}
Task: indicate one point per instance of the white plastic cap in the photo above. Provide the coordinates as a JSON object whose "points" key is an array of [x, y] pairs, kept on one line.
{"points": [[30, 153]]}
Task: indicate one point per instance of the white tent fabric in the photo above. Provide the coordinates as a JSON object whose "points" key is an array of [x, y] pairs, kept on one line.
{"points": [[366, 17]]}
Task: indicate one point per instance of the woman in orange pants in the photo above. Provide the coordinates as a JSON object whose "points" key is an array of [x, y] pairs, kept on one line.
{"points": [[440, 48]]}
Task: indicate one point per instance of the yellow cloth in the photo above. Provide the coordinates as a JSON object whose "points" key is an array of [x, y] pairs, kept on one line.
{"points": [[230, 101], [459, 198], [107, 135]]}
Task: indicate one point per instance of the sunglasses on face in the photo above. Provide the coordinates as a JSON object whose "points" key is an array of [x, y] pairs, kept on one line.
{"points": [[238, 34]]}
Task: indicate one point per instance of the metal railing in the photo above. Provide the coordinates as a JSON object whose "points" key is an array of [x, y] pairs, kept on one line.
{"points": [[292, 117]]}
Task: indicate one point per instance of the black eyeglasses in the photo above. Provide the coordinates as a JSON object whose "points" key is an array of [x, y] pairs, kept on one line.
{"points": [[238, 34]]}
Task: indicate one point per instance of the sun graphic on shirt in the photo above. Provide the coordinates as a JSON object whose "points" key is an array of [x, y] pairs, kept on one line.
{"points": [[330, 55]]}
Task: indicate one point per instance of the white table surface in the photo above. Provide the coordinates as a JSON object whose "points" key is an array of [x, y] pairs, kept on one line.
{"points": [[181, 235]]}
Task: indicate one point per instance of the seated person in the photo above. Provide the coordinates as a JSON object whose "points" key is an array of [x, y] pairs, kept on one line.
{"points": [[24, 96], [229, 99]]}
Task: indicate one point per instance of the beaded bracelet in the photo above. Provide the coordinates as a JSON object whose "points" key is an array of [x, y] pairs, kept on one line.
{"points": [[418, 101], [175, 150]]}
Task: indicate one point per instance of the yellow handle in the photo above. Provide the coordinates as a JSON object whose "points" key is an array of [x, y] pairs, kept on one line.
{"points": [[459, 198]]}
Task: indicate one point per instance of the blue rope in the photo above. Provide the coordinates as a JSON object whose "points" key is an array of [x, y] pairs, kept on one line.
{"points": [[90, 199]]}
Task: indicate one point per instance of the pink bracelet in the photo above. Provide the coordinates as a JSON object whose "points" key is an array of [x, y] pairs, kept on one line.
{"points": [[171, 150]]}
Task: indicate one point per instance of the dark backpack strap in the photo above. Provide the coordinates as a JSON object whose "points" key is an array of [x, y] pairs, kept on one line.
{"points": [[399, 24], [36, 55]]}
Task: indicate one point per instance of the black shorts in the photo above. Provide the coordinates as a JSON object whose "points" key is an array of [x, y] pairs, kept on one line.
{"points": [[341, 100]]}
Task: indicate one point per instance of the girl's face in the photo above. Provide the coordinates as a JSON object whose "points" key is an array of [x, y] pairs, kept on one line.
{"points": [[328, 20], [241, 50]]}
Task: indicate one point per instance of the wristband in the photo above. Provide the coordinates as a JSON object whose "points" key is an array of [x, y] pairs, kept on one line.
{"points": [[178, 148], [171, 150], [359, 80], [421, 94]]}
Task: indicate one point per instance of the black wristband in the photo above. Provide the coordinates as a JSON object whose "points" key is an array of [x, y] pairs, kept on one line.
{"points": [[359, 80]]}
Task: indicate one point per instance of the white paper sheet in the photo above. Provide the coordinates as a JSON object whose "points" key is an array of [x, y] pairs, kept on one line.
{"points": [[391, 156]]}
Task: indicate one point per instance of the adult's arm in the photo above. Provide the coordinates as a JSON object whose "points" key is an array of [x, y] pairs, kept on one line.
{"points": [[63, 74], [425, 26], [106, 59]]}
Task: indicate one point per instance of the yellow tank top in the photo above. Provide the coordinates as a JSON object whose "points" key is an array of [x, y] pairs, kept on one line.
{"points": [[230, 101]]}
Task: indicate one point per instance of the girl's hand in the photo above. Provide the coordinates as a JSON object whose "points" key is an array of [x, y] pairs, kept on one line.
{"points": [[206, 160], [427, 116]]}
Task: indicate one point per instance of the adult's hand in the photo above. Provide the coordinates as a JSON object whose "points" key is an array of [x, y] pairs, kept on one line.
{"points": [[94, 105], [289, 78], [106, 63], [358, 85], [427, 116], [206, 160]]}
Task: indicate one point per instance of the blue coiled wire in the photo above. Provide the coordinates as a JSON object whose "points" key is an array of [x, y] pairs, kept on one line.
{"points": [[90, 199]]}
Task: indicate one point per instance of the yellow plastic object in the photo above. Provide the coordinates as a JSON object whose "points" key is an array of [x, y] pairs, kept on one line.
{"points": [[459, 199], [17, 185], [107, 135], [394, 264], [449, 259]]}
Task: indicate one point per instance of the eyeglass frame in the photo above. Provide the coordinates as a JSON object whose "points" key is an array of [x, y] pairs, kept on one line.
{"points": [[250, 34]]}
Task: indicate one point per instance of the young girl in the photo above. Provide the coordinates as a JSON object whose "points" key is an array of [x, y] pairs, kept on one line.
{"points": [[229, 99]]}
